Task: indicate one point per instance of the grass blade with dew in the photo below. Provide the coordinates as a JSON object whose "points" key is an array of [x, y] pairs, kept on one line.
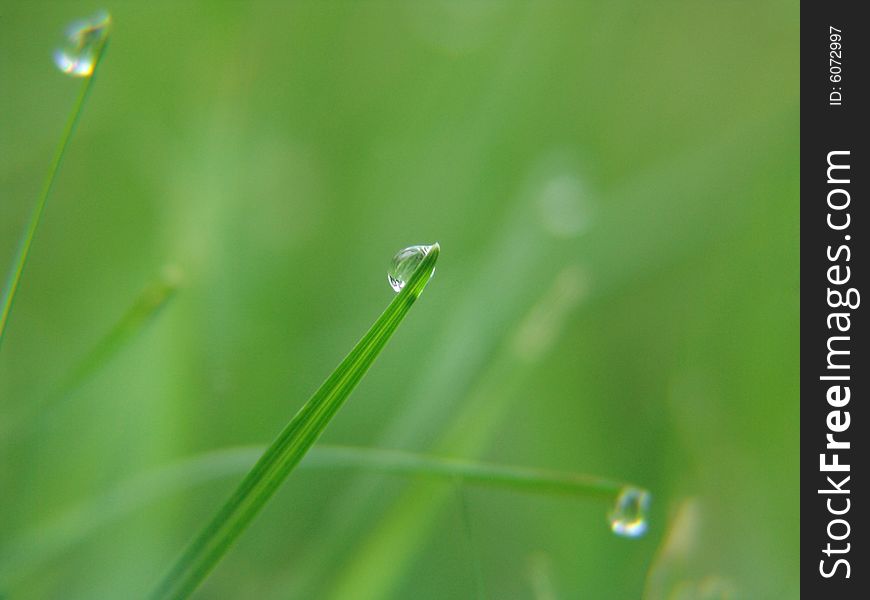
{"points": [[612, 268], [292, 443], [381, 554], [481, 314], [89, 39], [27, 551]]}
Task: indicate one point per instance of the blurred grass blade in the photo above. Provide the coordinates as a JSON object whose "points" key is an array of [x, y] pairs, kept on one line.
{"points": [[146, 306], [472, 544], [23, 554], [291, 444], [14, 278], [469, 472]]}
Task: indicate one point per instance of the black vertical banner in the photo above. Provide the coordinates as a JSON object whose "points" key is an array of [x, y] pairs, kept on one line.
{"points": [[834, 264]]}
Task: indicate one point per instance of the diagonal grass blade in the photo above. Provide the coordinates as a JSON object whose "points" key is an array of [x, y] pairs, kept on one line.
{"points": [[291, 444]]}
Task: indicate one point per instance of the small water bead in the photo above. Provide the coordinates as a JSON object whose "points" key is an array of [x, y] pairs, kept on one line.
{"points": [[405, 262], [78, 55], [629, 515]]}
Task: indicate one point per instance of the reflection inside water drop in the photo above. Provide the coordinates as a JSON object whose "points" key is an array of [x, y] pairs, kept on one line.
{"points": [[629, 515], [405, 262], [79, 53]]}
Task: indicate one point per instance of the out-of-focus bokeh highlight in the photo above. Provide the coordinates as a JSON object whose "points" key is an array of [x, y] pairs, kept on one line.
{"points": [[614, 187]]}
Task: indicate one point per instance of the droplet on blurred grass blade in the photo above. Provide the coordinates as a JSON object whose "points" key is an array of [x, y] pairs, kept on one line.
{"points": [[629, 514], [78, 55], [405, 262]]}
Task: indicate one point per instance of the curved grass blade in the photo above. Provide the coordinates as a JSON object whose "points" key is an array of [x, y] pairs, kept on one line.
{"points": [[291, 444], [27, 237], [24, 554], [398, 462]]}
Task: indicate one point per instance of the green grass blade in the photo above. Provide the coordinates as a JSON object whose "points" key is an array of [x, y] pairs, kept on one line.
{"points": [[481, 314], [398, 462], [146, 306], [29, 234], [22, 555], [472, 544], [290, 445], [383, 553]]}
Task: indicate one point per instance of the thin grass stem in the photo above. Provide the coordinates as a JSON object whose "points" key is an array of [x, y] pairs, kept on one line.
{"points": [[25, 553], [26, 241], [146, 306], [398, 462], [471, 542]]}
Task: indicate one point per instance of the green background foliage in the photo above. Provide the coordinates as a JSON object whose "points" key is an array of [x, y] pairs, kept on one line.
{"points": [[614, 186]]}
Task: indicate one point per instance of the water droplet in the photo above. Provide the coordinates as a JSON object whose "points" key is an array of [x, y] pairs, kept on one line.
{"points": [[628, 517], [78, 54], [405, 262]]}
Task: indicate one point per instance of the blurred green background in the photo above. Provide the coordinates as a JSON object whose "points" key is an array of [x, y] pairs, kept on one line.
{"points": [[615, 190]]}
